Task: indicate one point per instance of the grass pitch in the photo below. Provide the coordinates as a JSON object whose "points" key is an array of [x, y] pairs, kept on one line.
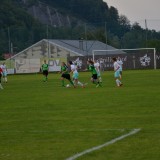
{"points": [[43, 121]]}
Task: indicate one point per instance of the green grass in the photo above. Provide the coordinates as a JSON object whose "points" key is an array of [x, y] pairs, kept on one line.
{"points": [[43, 121]]}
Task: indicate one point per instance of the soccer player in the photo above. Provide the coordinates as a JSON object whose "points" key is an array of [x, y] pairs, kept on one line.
{"points": [[116, 72], [75, 74], [45, 68], [119, 61], [4, 69], [97, 67], [1, 72], [94, 77], [65, 75]]}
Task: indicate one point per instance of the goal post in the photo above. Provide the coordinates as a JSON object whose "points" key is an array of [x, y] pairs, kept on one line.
{"points": [[137, 58]]}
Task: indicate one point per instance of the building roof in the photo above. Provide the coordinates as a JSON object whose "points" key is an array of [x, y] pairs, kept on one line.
{"points": [[79, 47], [86, 47]]}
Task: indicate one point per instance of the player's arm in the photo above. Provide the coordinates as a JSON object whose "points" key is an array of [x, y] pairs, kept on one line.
{"points": [[42, 68], [117, 68], [6, 69], [87, 69], [71, 72]]}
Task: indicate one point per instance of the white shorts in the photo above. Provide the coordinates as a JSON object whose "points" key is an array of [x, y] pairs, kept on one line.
{"points": [[75, 75], [117, 74], [4, 74]]}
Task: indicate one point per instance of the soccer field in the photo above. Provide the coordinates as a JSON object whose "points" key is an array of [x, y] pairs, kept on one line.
{"points": [[43, 121]]}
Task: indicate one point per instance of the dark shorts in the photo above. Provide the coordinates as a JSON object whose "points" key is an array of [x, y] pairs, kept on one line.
{"points": [[45, 73], [94, 76], [66, 76]]}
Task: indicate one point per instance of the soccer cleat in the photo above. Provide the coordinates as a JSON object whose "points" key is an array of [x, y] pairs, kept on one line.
{"points": [[121, 84]]}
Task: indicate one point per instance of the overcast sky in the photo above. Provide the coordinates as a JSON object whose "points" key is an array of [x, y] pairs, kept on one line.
{"points": [[139, 10]]}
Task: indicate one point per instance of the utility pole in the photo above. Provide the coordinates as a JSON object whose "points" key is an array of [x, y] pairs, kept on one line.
{"points": [[47, 41], [85, 28], [9, 41], [106, 35], [146, 32], [106, 32], [11, 48]]}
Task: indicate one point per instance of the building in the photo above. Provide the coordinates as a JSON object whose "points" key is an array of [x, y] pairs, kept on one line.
{"points": [[62, 48], [79, 51], [56, 51]]}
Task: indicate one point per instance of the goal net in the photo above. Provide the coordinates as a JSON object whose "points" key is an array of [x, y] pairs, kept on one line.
{"points": [[139, 58]]}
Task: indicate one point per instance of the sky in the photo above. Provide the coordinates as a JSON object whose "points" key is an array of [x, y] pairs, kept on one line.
{"points": [[139, 10]]}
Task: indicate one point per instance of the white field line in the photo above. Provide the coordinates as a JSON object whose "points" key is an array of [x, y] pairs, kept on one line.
{"points": [[62, 131], [134, 131]]}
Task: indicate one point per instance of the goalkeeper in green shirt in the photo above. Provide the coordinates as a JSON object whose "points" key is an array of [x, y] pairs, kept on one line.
{"points": [[45, 69]]}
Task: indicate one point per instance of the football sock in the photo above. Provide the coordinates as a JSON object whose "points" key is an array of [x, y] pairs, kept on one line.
{"points": [[79, 83], [100, 79], [71, 82], [117, 82], [5, 79], [95, 82], [62, 82], [1, 86]]}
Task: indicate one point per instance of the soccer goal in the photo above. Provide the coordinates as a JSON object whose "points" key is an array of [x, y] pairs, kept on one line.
{"points": [[138, 58]]}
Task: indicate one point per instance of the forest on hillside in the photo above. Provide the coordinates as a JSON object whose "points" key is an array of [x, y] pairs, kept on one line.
{"points": [[19, 29]]}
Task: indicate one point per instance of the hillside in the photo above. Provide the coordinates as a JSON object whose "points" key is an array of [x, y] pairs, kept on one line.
{"points": [[24, 22], [69, 13]]}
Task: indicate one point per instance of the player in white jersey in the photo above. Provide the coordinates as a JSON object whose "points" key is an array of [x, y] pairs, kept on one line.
{"points": [[116, 72], [4, 69], [75, 74], [97, 67], [120, 62]]}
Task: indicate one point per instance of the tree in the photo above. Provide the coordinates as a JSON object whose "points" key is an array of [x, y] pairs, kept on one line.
{"points": [[154, 44]]}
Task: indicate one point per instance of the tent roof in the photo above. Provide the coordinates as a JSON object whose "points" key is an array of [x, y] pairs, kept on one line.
{"points": [[79, 47]]}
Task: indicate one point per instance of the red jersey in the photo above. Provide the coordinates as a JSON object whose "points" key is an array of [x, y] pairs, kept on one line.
{"points": [[1, 70]]}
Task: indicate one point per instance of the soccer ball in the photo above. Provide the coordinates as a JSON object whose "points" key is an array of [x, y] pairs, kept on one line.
{"points": [[67, 85]]}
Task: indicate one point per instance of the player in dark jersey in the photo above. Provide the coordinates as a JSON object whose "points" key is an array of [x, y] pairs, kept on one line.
{"points": [[94, 77], [65, 75], [45, 71]]}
